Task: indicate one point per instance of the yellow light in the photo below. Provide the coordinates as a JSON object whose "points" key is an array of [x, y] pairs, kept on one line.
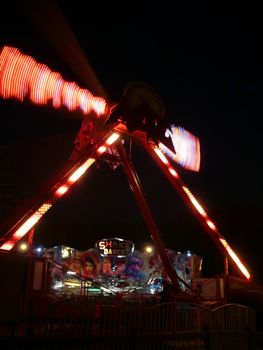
{"points": [[81, 170], [102, 149], [26, 227], [72, 284], [88, 284], [23, 247], [7, 246], [65, 252], [194, 201], [31, 221], [112, 138], [235, 258], [211, 225], [173, 172], [61, 190], [148, 249], [161, 156]]}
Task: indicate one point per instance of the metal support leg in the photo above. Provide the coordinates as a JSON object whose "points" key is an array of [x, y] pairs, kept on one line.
{"points": [[143, 206]]}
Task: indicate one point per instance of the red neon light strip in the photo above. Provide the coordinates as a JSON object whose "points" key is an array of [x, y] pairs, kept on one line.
{"points": [[21, 76], [199, 210], [26, 226]]}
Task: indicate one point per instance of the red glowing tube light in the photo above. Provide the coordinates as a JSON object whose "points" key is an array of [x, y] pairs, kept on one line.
{"points": [[36, 216], [21, 76], [26, 226], [79, 172], [196, 207], [59, 191], [235, 257]]}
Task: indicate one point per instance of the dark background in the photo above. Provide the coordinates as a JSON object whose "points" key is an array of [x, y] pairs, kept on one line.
{"points": [[205, 62]]}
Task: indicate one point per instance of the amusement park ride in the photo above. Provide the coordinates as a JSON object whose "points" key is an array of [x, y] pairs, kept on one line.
{"points": [[107, 128]]}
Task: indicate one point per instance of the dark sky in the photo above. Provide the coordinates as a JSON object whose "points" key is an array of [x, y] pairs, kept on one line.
{"points": [[206, 63]]}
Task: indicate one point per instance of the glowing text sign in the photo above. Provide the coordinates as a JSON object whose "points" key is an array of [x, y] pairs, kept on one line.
{"points": [[115, 247]]}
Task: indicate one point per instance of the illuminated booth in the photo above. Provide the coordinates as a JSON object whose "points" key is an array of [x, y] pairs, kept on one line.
{"points": [[114, 265]]}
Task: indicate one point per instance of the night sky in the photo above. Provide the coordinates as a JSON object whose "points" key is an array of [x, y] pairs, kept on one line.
{"points": [[206, 63]]}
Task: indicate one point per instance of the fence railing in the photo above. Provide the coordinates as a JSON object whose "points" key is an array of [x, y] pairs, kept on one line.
{"points": [[106, 315], [107, 323]]}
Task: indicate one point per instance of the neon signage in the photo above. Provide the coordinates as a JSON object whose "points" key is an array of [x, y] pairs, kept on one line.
{"points": [[115, 247]]}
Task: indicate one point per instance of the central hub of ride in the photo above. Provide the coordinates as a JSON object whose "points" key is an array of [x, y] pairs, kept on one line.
{"points": [[141, 108]]}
